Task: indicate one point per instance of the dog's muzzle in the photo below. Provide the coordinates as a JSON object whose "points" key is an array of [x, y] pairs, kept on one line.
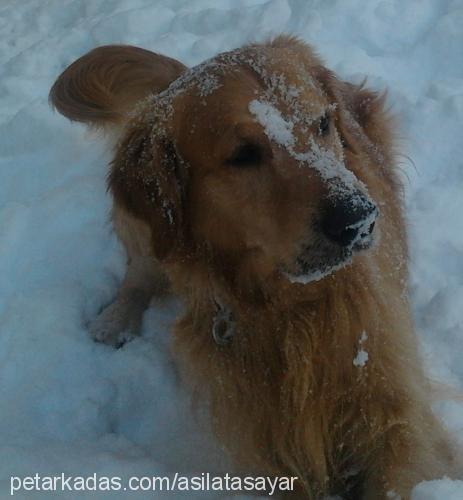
{"points": [[349, 221], [346, 226]]}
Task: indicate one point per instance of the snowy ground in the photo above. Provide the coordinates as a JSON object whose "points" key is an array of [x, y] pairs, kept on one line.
{"points": [[69, 405]]}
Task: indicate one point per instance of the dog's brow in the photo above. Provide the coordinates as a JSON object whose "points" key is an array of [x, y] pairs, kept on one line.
{"points": [[325, 111]]}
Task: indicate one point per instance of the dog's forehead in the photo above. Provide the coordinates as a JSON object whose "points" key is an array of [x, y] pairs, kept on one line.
{"points": [[233, 79]]}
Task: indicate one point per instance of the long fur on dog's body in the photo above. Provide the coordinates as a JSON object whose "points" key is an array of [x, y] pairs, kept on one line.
{"points": [[285, 394]]}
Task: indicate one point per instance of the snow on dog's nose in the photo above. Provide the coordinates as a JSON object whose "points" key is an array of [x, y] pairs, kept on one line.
{"points": [[349, 220]]}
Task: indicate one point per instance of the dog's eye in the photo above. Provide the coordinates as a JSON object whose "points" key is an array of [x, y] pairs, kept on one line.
{"points": [[324, 125], [246, 155]]}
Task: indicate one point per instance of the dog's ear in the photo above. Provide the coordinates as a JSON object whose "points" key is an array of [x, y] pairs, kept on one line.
{"points": [[357, 106], [102, 86], [149, 180]]}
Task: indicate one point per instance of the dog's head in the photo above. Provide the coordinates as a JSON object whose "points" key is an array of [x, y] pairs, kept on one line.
{"points": [[253, 156]]}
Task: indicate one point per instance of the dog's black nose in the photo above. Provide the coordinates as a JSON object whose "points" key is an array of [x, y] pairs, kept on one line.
{"points": [[350, 219]]}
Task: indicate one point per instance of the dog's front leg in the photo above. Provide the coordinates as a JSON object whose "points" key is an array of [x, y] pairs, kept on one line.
{"points": [[419, 450], [121, 320], [389, 486]]}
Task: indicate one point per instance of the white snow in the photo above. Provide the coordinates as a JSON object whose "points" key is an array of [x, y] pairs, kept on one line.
{"points": [[280, 130], [361, 358], [439, 489], [317, 275], [69, 405], [276, 127]]}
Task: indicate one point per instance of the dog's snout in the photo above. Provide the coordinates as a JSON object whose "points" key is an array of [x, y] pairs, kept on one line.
{"points": [[348, 220]]}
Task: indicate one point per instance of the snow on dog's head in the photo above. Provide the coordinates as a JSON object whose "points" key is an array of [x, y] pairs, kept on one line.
{"points": [[257, 158]]}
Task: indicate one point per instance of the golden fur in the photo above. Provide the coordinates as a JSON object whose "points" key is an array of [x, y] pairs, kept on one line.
{"points": [[285, 395]]}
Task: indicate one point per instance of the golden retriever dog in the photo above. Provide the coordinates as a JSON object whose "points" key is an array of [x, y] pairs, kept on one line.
{"points": [[263, 190]]}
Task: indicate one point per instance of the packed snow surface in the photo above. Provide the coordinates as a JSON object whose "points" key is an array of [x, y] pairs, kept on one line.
{"points": [[70, 405]]}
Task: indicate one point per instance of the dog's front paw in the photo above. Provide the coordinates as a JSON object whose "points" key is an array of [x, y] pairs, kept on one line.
{"points": [[117, 324]]}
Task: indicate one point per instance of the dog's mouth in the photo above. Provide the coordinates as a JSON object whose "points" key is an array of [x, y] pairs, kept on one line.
{"points": [[309, 267], [323, 258]]}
